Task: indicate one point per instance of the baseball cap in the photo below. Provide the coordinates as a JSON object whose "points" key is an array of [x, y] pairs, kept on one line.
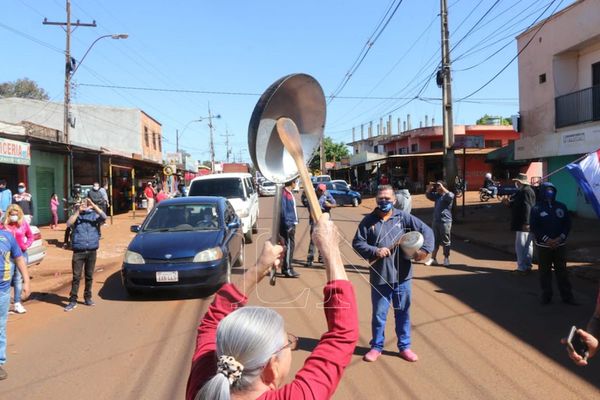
{"points": [[321, 187]]}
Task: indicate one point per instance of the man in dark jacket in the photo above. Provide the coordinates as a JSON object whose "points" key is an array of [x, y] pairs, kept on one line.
{"points": [[287, 228], [550, 224], [85, 241], [441, 221], [326, 203], [521, 204], [391, 270]]}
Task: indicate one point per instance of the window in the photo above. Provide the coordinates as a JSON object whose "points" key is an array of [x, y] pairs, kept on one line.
{"points": [[437, 144], [414, 148], [154, 140], [542, 78], [159, 143], [146, 138], [493, 143], [224, 187]]}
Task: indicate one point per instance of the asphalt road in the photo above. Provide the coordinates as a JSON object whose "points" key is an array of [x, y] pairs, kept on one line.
{"points": [[478, 330]]}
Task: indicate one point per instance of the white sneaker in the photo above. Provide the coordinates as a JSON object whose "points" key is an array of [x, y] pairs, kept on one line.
{"points": [[431, 261], [446, 262], [19, 309]]}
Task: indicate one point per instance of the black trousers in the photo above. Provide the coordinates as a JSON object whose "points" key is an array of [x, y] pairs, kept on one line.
{"points": [[83, 260], [289, 239], [549, 259]]}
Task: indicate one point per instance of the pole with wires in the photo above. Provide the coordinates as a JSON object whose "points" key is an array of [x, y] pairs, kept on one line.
{"points": [[444, 78]]}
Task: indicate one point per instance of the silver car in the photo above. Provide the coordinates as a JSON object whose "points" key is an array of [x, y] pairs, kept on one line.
{"points": [[37, 251], [266, 189]]}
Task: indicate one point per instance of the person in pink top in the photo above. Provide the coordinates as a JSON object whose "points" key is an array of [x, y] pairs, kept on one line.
{"points": [[54, 210], [14, 222], [245, 352]]}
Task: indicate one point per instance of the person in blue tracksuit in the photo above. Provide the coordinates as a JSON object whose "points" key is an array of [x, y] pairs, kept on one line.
{"points": [[391, 271], [287, 228], [550, 224]]}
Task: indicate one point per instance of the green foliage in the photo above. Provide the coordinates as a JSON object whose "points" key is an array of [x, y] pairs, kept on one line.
{"points": [[487, 120], [333, 152], [24, 88]]}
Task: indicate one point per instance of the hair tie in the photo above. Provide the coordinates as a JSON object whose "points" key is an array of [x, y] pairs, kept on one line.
{"points": [[228, 366]]}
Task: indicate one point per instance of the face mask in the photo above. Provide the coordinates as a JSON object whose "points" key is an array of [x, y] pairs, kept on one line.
{"points": [[14, 218], [384, 205], [21, 190], [548, 195]]}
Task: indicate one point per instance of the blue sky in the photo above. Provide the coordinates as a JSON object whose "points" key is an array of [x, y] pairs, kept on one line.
{"points": [[241, 47]]}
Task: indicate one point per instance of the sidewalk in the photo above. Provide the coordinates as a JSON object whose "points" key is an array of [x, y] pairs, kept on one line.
{"points": [[54, 272], [488, 224]]}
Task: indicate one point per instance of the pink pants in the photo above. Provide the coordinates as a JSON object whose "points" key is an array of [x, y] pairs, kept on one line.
{"points": [[54, 217]]}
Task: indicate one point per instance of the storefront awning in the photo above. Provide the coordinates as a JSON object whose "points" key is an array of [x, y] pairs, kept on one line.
{"points": [[506, 156]]}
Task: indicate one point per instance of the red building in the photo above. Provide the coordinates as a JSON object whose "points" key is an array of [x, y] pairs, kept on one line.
{"points": [[415, 157]]}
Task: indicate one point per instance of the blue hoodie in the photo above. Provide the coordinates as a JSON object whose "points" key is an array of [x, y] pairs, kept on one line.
{"points": [[5, 199], [549, 218]]}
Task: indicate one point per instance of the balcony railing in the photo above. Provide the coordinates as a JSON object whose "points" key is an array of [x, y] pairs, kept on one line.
{"points": [[577, 107]]}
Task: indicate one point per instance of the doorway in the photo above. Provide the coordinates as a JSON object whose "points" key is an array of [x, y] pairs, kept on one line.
{"points": [[44, 178]]}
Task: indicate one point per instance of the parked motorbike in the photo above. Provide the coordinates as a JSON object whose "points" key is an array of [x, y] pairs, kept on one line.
{"points": [[503, 191], [485, 194]]}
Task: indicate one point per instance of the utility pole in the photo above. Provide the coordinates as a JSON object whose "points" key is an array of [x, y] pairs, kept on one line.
{"points": [[176, 140], [322, 154], [446, 82], [212, 144], [227, 148], [69, 67]]}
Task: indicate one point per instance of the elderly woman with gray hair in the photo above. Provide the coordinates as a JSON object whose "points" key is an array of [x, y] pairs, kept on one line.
{"points": [[245, 352]]}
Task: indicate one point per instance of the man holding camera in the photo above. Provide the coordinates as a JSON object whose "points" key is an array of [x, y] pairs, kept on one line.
{"points": [[85, 241], [442, 219]]}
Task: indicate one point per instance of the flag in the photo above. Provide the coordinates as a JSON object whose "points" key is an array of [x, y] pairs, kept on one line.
{"points": [[587, 175]]}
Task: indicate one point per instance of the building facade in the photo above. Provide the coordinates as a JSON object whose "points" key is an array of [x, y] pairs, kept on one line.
{"points": [[559, 94]]}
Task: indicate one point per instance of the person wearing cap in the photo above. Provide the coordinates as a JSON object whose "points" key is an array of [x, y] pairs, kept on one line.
{"points": [[550, 225], [149, 194], [23, 200], [287, 228], [521, 204], [246, 353], [326, 202], [376, 240], [5, 196]]}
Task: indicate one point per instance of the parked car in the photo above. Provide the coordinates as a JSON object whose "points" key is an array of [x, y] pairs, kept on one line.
{"points": [[320, 178], [266, 188], [37, 251], [187, 242], [238, 189], [341, 192]]}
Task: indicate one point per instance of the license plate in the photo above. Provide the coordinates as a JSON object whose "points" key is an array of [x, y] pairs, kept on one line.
{"points": [[167, 276]]}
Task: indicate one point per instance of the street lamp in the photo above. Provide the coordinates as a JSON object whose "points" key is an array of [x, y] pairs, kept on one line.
{"points": [[70, 70], [179, 135]]}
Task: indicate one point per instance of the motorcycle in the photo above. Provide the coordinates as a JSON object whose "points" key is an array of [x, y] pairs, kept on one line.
{"points": [[485, 194], [503, 191]]}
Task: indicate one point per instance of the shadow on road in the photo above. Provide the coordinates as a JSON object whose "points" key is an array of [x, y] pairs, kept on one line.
{"points": [[50, 298], [112, 289], [512, 302]]}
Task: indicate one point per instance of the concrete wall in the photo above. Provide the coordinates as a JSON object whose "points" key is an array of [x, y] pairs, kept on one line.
{"points": [[565, 55], [95, 126]]}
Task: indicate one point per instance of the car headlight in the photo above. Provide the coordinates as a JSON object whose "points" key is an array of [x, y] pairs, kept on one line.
{"points": [[242, 213], [131, 257], [209, 255]]}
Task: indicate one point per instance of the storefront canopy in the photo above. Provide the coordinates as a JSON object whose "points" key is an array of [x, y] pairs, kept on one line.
{"points": [[505, 156]]}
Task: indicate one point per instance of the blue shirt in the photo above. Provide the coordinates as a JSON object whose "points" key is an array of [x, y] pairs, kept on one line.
{"points": [[5, 199], [373, 233], [9, 249], [326, 197], [442, 211]]}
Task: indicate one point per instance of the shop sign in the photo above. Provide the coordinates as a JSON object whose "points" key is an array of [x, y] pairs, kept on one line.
{"points": [[468, 142], [13, 152]]}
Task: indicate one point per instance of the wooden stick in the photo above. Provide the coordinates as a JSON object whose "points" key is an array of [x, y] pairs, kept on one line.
{"points": [[290, 137]]}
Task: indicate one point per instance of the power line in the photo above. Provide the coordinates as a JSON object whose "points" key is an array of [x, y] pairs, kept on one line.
{"points": [[31, 38], [519, 52]]}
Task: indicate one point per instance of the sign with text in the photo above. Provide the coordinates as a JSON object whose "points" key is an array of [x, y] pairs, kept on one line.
{"points": [[13, 152], [468, 142]]}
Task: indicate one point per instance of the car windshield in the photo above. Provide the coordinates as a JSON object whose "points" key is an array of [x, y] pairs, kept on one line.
{"points": [[225, 187], [183, 217], [267, 183]]}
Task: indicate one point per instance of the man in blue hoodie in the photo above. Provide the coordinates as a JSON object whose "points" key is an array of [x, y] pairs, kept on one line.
{"points": [[390, 277], [287, 228], [550, 224], [85, 241], [5, 196]]}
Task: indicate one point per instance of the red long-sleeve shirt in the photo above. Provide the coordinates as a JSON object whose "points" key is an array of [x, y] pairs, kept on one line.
{"points": [[322, 370]]}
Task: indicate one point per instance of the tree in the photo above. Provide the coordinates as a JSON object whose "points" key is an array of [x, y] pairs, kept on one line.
{"points": [[488, 120], [333, 152], [24, 88]]}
